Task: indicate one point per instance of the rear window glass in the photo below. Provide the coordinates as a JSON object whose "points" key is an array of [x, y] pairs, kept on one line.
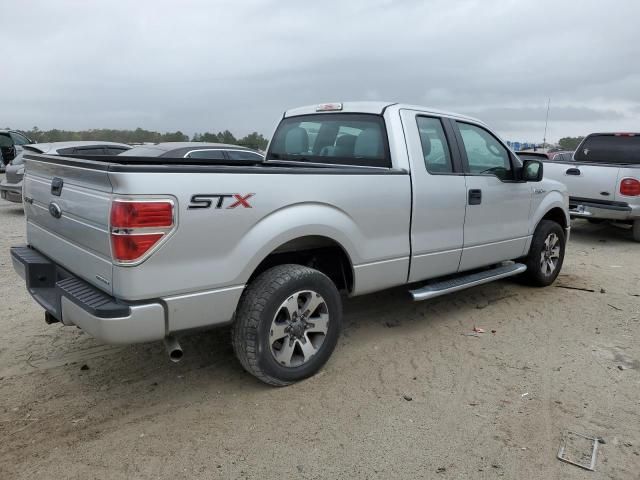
{"points": [[343, 139], [209, 154], [114, 150], [244, 155], [610, 149], [143, 151], [89, 151], [528, 156]]}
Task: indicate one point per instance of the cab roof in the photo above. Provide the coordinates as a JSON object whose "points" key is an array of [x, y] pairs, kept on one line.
{"points": [[376, 108]]}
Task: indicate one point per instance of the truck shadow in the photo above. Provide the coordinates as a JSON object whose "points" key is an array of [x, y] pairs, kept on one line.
{"points": [[10, 208], [583, 231], [209, 362]]}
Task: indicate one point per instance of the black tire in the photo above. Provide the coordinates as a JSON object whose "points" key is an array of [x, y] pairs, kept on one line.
{"points": [[635, 230], [259, 305], [535, 275]]}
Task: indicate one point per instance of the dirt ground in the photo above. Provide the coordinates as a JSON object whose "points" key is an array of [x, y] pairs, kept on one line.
{"points": [[406, 394]]}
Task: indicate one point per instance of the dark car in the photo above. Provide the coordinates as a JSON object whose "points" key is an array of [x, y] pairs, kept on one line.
{"points": [[211, 151], [11, 142], [531, 155], [11, 186], [561, 156]]}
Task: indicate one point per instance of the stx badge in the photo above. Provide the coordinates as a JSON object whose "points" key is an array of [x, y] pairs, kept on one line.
{"points": [[205, 200]]}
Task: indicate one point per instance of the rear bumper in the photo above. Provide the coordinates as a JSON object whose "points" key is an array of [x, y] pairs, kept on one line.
{"points": [[73, 301], [11, 192], [585, 208]]}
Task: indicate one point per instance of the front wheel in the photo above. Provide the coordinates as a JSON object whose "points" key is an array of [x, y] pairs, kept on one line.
{"points": [[287, 324], [546, 254]]}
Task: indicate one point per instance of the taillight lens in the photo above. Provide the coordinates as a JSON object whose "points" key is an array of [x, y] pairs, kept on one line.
{"points": [[137, 226], [127, 248], [630, 187], [126, 214]]}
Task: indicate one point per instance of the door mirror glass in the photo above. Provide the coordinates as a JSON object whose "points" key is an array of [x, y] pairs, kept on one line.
{"points": [[532, 171]]}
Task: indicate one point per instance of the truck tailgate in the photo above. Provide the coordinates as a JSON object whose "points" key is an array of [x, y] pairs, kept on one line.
{"points": [[67, 211], [596, 182]]}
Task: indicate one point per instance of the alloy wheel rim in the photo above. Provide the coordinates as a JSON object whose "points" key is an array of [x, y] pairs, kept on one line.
{"points": [[299, 328], [550, 255]]}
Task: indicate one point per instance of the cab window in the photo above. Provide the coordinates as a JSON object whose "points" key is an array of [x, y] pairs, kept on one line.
{"points": [[485, 154]]}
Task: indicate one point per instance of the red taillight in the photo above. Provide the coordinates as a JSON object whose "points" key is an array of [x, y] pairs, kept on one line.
{"points": [[137, 226], [127, 248], [630, 187], [125, 214]]}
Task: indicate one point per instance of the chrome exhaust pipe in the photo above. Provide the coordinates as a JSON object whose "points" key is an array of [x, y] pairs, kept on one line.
{"points": [[174, 350]]}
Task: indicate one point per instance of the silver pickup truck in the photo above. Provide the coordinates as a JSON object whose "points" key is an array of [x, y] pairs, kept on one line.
{"points": [[603, 179], [352, 198]]}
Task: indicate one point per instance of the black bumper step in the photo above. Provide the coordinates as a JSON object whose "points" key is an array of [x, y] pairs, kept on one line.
{"points": [[48, 282]]}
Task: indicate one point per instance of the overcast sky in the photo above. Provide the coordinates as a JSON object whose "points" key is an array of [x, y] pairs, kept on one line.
{"points": [[208, 65]]}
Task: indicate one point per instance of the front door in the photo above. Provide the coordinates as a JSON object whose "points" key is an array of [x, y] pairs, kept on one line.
{"points": [[496, 226], [439, 196]]}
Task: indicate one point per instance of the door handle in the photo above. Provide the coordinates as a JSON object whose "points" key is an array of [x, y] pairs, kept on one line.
{"points": [[573, 171], [475, 196]]}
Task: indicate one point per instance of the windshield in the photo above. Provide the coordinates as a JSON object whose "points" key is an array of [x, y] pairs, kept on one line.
{"points": [[610, 148], [340, 138]]}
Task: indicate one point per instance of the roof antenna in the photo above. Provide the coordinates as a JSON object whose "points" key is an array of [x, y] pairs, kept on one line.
{"points": [[546, 122]]}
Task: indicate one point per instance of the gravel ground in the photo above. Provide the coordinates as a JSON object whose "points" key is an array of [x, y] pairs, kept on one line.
{"points": [[406, 394]]}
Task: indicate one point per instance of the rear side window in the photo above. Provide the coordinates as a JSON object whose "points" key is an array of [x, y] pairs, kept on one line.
{"points": [[209, 154], [244, 155], [341, 139], [610, 148], [435, 148]]}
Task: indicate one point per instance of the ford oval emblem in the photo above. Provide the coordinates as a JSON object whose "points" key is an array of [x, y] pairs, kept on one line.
{"points": [[55, 210]]}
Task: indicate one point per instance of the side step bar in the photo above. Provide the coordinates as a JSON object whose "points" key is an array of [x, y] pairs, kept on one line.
{"points": [[465, 281]]}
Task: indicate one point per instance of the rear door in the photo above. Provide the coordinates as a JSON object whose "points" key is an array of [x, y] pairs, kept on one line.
{"points": [[496, 226], [439, 196], [67, 212]]}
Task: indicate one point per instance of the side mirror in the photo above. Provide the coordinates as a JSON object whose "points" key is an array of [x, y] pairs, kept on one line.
{"points": [[532, 171]]}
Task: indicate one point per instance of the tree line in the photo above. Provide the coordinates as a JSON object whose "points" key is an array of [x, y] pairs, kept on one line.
{"points": [[253, 140], [570, 143]]}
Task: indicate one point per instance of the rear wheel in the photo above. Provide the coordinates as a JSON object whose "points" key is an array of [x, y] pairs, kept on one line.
{"points": [[287, 324], [636, 230], [546, 254]]}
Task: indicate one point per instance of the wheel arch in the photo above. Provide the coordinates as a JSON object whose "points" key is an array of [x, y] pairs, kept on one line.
{"points": [[557, 215], [320, 252], [553, 207], [313, 234]]}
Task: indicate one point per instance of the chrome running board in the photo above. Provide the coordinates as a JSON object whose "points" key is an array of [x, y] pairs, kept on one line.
{"points": [[465, 281]]}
